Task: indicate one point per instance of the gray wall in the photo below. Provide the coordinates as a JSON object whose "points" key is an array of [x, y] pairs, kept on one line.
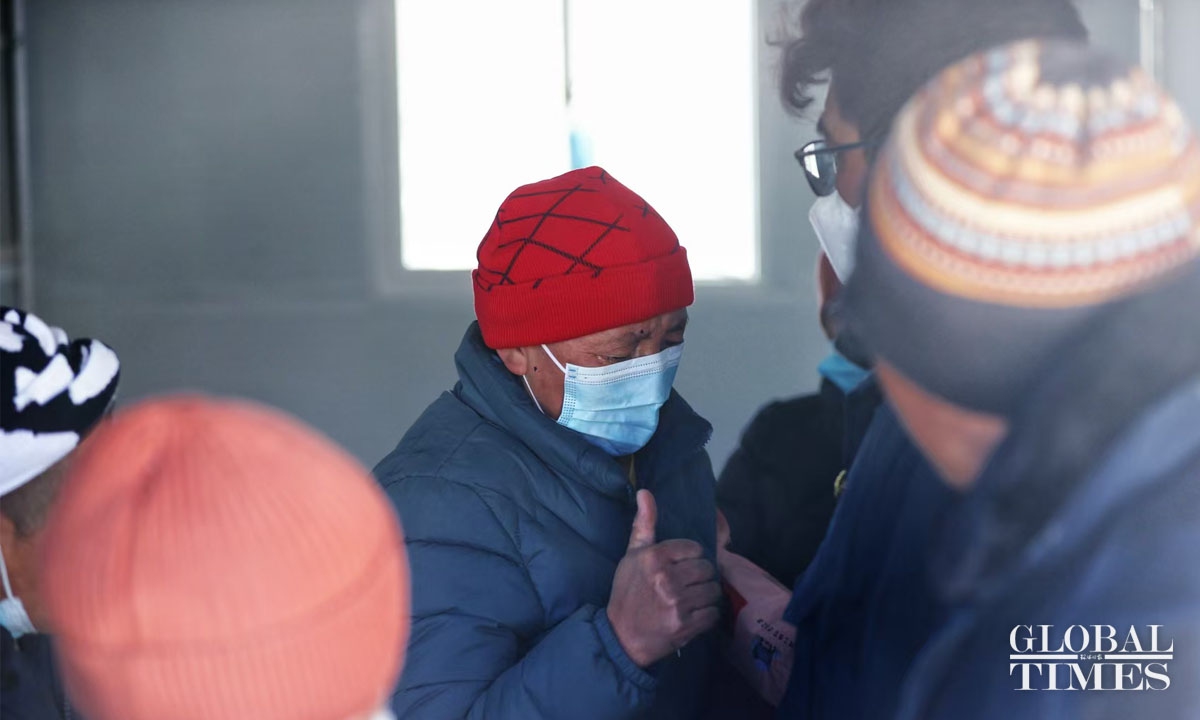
{"points": [[208, 197]]}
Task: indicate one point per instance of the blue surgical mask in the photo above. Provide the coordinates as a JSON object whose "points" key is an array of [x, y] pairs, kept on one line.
{"points": [[842, 372], [615, 407]]}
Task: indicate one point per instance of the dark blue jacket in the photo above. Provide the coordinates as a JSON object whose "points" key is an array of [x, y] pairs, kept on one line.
{"points": [[30, 686], [514, 527], [866, 604], [1087, 514], [777, 489]]}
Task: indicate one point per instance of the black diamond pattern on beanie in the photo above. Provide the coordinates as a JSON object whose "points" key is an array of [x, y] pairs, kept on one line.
{"points": [[490, 277]]}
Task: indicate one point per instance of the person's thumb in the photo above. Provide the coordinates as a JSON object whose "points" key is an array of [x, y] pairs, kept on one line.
{"points": [[643, 523]]}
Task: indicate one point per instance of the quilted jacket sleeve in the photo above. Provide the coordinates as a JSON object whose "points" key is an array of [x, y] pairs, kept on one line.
{"points": [[478, 647]]}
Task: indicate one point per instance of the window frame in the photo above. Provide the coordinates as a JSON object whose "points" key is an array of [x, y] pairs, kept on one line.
{"points": [[780, 193]]}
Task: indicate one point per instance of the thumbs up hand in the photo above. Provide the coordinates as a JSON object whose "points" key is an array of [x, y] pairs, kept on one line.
{"points": [[663, 594], [644, 522]]}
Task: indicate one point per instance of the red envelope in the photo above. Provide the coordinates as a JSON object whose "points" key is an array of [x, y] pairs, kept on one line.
{"points": [[762, 645]]}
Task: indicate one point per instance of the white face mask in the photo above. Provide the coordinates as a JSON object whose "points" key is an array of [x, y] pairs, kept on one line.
{"points": [[12, 610], [836, 224]]}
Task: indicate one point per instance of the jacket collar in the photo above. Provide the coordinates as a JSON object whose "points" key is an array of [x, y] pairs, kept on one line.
{"points": [[501, 398]]}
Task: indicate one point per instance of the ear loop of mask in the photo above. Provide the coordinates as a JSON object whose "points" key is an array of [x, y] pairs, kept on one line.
{"points": [[525, 380], [8, 593], [554, 360], [533, 397], [12, 611]]}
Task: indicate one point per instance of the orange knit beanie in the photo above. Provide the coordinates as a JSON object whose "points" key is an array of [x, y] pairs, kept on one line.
{"points": [[215, 559]]}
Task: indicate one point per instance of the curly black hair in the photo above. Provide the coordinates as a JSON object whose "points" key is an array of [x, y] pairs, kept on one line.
{"points": [[878, 53]]}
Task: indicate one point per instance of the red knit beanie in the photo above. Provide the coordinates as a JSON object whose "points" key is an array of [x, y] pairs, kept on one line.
{"points": [[215, 559], [575, 255]]}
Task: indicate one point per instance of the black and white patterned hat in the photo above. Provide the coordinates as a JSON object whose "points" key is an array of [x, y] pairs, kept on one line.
{"points": [[52, 391]]}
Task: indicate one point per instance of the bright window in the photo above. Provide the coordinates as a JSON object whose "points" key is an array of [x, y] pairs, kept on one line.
{"points": [[497, 94]]}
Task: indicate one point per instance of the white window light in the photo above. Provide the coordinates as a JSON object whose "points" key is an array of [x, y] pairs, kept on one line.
{"points": [[497, 94]]}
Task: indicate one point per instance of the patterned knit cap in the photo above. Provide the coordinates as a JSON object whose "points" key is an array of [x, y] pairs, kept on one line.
{"points": [[575, 255], [216, 559], [1020, 190], [52, 391]]}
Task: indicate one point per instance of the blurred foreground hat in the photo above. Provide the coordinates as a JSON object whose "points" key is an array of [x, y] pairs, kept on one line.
{"points": [[52, 391], [575, 255], [216, 559], [1020, 190]]}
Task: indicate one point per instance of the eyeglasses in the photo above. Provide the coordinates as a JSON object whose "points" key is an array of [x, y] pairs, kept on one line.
{"points": [[819, 160]]}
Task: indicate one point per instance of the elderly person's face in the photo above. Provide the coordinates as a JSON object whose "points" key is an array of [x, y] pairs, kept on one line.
{"points": [[608, 347]]}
